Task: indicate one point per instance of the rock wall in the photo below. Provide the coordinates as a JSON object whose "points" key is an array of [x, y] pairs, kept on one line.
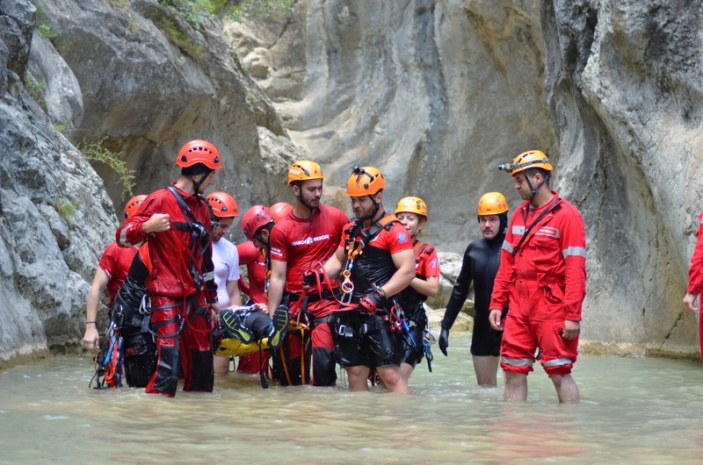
{"points": [[140, 79], [436, 94], [54, 210], [624, 87]]}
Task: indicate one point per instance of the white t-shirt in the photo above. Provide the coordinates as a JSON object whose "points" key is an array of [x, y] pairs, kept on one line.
{"points": [[226, 261]]}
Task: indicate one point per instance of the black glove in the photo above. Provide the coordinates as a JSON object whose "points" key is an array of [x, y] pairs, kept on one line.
{"points": [[444, 340], [371, 301], [310, 277]]}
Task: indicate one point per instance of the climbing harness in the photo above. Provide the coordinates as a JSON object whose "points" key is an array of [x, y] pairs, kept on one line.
{"points": [[198, 235]]}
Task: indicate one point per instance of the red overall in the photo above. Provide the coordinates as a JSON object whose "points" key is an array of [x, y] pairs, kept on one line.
{"points": [[179, 316], [545, 282], [695, 275]]}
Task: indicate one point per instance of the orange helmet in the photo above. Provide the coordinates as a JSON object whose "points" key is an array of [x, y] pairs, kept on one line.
{"points": [[255, 218], [199, 151], [223, 205], [492, 203], [280, 209], [366, 180], [412, 205], [132, 206], [304, 170], [527, 160]]}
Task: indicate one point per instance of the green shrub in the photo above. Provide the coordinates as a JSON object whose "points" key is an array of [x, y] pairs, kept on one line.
{"points": [[44, 26], [197, 10], [36, 89], [64, 208], [180, 38], [96, 151]]}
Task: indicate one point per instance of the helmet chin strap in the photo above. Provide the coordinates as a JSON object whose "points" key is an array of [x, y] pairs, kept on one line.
{"points": [[197, 184], [534, 190], [376, 207]]}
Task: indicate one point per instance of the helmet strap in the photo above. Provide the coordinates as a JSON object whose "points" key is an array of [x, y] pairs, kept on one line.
{"points": [[534, 190], [376, 206], [197, 184]]}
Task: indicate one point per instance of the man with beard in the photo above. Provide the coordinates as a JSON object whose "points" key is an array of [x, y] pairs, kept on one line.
{"points": [[376, 261], [301, 241], [480, 265]]}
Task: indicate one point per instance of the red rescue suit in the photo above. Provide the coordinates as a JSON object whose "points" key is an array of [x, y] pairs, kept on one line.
{"points": [[545, 282], [180, 282], [695, 274]]}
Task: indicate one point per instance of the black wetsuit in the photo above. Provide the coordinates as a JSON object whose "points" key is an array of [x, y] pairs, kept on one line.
{"points": [[480, 265]]}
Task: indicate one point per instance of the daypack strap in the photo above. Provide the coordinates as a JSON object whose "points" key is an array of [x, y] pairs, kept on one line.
{"points": [[553, 206]]}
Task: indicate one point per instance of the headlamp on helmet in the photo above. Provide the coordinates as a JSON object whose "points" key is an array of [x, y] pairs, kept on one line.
{"points": [[527, 160]]}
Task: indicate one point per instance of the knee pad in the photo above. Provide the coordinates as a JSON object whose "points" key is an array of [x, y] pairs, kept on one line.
{"points": [[165, 380]]}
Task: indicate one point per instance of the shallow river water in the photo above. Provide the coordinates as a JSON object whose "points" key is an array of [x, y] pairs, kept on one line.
{"points": [[639, 411]]}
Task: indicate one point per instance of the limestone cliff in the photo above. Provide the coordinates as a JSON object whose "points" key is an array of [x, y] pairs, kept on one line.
{"points": [[437, 94], [140, 80], [434, 93]]}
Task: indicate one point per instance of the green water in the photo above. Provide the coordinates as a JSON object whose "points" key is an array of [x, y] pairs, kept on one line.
{"points": [[647, 411]]}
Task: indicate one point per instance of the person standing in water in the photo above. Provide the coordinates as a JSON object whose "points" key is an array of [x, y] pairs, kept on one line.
{"points": [[412, 213], [480, 266], [542, 274], [225, 259], [376, 261], [175, 222], [695, 280]]}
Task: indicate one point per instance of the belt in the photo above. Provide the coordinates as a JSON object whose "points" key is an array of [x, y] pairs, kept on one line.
{"points": [[314, 297]]}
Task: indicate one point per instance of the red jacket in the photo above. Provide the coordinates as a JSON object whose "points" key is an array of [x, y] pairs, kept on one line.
{"points": [[695, 273], [553, 254], [253, 258], [115, 262], [170, 251]]}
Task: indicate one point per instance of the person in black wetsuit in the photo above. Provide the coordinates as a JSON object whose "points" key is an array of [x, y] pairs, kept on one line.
{"points": [[480, 265]]}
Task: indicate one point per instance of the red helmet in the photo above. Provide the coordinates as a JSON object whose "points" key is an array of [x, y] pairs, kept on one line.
{"points": [[223, 205], [280, 209], [254, 218], [132, 206], [199, 151]]}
